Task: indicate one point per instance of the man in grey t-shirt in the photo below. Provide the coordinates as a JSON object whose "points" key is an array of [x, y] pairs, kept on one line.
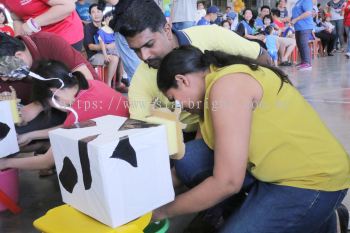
{"points": [[335, 8], [183, 13]]}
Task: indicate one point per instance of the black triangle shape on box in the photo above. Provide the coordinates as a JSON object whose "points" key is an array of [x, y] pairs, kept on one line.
{"points": [[125, 151]]}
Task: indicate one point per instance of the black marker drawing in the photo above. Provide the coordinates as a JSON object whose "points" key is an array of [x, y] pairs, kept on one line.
{"points": [[68, 175]]}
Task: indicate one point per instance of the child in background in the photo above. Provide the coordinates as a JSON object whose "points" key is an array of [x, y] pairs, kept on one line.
{"points": [[327, 23], [271, 44], [3, 23], [267, 20], [105, 35]]}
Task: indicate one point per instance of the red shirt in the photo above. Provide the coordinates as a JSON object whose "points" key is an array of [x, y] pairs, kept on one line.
{"points": [[98, 100], [347, 15], [70, 28], [46, 46], [279, 24], [43, 45], [7, 29]]}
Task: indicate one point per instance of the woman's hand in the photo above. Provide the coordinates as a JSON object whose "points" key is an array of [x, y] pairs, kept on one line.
{"points": [[3, 164], [24, 139], [26, 30]]}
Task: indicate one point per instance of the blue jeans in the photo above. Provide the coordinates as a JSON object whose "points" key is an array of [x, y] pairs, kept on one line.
{"points": [[347, 30], [183, 25], [302, 39], [268, 208], [339, 30]]}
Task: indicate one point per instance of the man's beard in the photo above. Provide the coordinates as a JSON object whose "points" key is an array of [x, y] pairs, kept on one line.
{"points": [[154, 62]]}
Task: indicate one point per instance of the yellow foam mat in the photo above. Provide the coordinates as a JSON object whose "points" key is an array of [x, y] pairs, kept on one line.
{"points": [[66, 219]]}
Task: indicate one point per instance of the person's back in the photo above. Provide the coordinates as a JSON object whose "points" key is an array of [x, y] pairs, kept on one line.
{"points": [[184, 13], [98, 100], [275, 121]]}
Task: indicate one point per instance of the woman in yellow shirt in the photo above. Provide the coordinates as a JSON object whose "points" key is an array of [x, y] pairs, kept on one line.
{"points": [[260, 136]]}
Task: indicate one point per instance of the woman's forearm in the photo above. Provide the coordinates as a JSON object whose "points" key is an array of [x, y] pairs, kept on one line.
{"points": [[43, 161], [58, 11]]}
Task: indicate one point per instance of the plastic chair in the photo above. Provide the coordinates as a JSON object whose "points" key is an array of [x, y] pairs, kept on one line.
{"points": [[316, 48], [66, 219], [102, 72]]}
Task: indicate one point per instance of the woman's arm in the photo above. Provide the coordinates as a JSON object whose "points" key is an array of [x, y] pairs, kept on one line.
{"points": [[58, 11], [233, 97], [44, 161], [26, 138], [17, 24], [302, 16], [85, 71]]}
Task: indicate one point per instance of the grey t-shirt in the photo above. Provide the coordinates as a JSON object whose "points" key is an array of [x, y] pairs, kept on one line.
{"points": [[184, 10], [336, 9]]}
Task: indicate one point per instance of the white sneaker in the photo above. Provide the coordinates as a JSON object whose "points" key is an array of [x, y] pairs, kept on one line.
{"points": [[347, 55]]}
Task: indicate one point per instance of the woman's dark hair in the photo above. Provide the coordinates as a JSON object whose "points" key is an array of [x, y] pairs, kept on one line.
{"points": [[10, 45], [251, 21], [2, 10], [135, 16], [54, 69], [108, 14], [267, 17], [189, 59], [225, 21]]}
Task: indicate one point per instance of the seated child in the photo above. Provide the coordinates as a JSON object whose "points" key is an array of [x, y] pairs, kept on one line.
{"points": [[105, 35], [327, 23], [272, 44]]}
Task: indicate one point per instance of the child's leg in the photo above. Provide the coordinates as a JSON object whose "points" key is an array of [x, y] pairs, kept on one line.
{"points": [[112, 68]]}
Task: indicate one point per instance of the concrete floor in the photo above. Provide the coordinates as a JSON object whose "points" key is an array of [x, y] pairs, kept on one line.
{"points": [[327, 88]]}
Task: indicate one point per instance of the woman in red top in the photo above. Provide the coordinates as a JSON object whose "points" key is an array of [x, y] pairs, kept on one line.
{"points": [[90, 99], [56, 16], [3, 21], [347, 25]]}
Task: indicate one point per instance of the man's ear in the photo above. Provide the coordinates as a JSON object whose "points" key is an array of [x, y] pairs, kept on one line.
{"points": [[168, 32], [182, 80]]}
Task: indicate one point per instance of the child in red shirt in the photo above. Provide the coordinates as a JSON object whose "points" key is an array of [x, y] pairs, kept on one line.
{"points": [[89, 99], [3, 23]]}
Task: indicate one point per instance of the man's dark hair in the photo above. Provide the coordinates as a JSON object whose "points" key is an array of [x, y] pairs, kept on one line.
{"points": [[2, 10], [265, 7], [10, 45], [99, 6], [135, 16], [276, 12]]}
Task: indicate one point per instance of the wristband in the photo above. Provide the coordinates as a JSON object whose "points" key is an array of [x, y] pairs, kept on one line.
{"points": [[33, 25]]}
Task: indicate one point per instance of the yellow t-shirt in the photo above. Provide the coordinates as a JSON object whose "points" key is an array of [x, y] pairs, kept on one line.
{"points": [[143, 88], [289, 144]]}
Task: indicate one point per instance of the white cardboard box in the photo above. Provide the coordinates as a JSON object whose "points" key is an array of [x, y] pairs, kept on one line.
{"points": [[123, 175], [8, 138]]}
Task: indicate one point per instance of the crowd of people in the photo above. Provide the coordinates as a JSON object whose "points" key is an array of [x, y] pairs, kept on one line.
{"points": [[252, 158]]}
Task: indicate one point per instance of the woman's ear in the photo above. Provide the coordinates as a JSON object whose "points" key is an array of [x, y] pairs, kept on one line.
{"points": [[182, 80]]}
